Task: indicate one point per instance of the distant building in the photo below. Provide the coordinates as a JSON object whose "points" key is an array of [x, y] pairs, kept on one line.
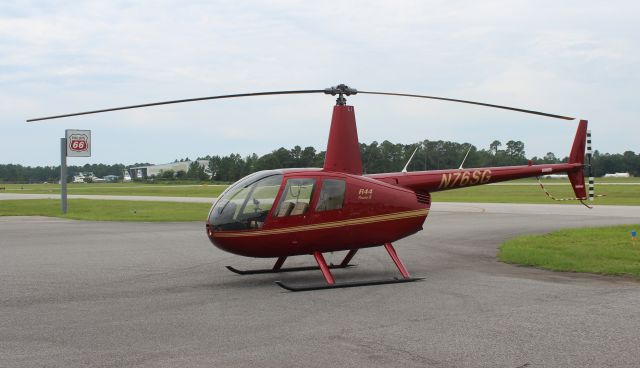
{"points": [[617, 175], [141, 172]]}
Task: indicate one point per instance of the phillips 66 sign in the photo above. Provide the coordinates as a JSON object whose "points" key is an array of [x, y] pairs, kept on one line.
{"points": [[78, 143]]}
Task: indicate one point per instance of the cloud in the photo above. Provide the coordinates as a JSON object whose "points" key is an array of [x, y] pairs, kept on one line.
{"points": [[571, 58]]}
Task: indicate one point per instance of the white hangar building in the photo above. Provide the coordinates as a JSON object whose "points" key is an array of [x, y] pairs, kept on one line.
{"points": [[156, 170]]}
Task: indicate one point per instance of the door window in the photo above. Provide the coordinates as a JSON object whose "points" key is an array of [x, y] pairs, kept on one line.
{"points": [[296, 197], [331, 195]]}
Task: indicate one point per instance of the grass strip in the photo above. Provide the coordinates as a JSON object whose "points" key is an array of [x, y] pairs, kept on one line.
{"points": [[130, 189], [628, 195], [100, 210], [600, 250], [517, 193]]}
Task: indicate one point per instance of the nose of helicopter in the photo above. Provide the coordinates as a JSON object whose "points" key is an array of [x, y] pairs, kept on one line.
{"points": [[211, 232], [211, 235], [227, 244]]}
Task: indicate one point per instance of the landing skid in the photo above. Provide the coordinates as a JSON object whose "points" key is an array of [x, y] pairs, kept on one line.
{"points": [[277, 267], [346, 284], [332, 284], [326, 272], [289, 269]]}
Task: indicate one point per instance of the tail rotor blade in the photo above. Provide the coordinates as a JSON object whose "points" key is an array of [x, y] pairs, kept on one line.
{"points": [[590, 167]]}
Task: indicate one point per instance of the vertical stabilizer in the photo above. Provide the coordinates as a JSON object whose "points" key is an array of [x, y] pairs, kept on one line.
{"points": [[576, 156], [579, 142], [343, 149]]}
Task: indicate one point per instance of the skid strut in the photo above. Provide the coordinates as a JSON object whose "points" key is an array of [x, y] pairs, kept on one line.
{"points": [[330, 281], [348, 257], [326, 272], [277, 267], [394, 256]]}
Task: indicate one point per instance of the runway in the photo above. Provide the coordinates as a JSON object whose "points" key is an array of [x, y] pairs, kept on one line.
{"points": [[107, 294]]}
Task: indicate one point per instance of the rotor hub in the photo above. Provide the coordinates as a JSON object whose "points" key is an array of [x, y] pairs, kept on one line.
{"points": [[341, 90]]}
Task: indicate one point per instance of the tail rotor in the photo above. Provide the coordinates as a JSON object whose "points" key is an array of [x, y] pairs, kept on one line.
{"points": [[590, 168]]}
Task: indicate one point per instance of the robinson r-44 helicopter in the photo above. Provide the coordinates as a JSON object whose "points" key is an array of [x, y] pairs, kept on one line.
{"points": [[290, 212]]}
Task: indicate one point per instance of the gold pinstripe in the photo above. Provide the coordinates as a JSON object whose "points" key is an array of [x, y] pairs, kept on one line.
{"points": [[327, 225]]}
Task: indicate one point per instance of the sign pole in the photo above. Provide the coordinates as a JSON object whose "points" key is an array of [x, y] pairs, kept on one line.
{"points": [[76, 143], [63, 175]]}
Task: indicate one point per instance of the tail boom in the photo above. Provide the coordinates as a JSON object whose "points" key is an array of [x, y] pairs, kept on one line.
{"points": [[439, 180]]}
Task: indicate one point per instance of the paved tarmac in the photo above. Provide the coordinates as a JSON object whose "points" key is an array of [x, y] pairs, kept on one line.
{"points": [[106, 294]]}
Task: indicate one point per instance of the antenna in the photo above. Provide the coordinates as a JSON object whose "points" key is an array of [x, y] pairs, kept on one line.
{"points": [[410, 158], [465, 157]]}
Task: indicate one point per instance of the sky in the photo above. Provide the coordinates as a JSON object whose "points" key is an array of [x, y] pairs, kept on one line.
{"points": [[576, 58]]}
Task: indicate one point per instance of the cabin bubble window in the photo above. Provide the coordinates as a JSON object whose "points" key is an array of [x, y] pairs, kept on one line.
{"points": [[246, 204], [296, 197], [331, 195]]}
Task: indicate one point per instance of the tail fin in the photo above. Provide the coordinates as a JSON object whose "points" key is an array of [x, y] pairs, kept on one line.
{"points": [[576, 176]]}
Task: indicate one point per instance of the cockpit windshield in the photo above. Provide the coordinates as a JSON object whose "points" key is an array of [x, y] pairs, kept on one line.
{"points": [[246, 204]]}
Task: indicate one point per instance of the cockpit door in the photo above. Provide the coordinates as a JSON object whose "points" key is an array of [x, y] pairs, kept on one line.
{"points": [[293, 209], [295, 201], [329, 210]]}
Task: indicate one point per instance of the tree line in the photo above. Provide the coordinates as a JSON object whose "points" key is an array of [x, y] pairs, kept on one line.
{"points": [[429, 155], [376, 157]]}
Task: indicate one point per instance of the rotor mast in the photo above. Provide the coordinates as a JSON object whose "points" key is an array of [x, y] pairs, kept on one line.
{"points": [[343, 148]]}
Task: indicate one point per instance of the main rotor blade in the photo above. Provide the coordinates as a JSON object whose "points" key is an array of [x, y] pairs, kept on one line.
{"points": [[181, 101], [470, 102]]}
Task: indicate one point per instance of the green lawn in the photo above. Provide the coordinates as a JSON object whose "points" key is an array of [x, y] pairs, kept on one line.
{"points": [[98, 210], [130, 189], [518, 191], [603, 250], [515, 193]]}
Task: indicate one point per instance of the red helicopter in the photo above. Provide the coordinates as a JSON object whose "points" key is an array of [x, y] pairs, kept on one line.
{"points": [[290, 212]]}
